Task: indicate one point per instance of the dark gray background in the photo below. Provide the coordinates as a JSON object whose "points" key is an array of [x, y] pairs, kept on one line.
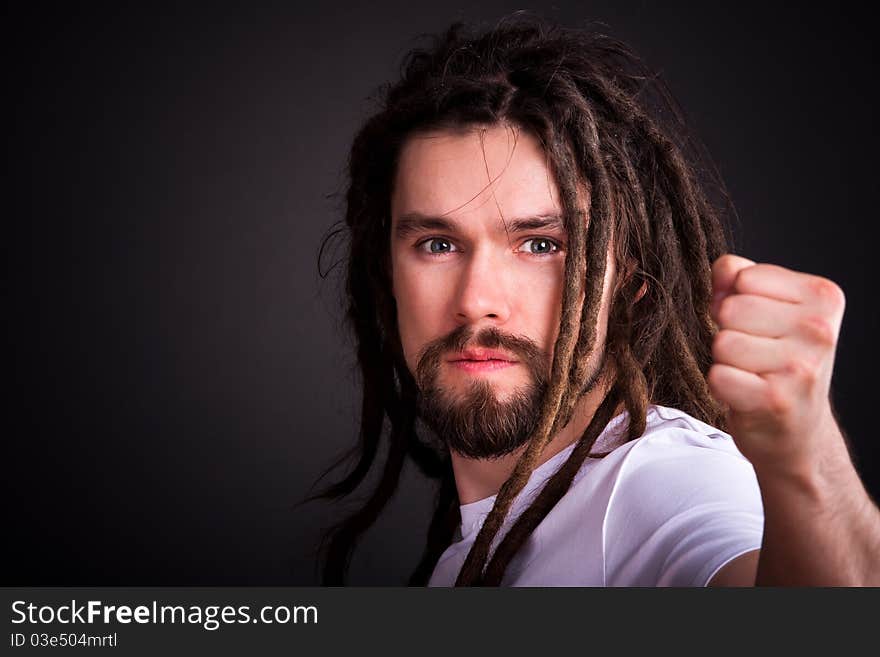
{"points": [[179, 373]]}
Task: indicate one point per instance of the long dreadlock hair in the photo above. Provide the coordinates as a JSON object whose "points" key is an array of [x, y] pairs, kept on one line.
{"points": [[616, 142]]}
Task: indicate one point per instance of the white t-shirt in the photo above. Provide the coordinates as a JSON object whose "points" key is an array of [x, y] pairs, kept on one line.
{"points": [[667, 509]]}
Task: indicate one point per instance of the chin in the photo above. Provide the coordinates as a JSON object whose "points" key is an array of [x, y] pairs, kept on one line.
{"points": [[502, 391]]}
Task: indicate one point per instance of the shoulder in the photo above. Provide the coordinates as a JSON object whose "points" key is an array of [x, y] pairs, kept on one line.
{"points": [[675, 451], [673, 425], [683, 496], [674, 440], [679, 457]]}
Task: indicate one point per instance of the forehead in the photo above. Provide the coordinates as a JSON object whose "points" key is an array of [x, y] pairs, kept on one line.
{"points": [[477, 171]]}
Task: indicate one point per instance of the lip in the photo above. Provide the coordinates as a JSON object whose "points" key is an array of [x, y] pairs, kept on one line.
{"points": [[481, 365], [482, 360]]}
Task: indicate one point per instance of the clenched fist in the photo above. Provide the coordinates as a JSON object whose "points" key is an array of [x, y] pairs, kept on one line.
{"points": [[773, 358]]}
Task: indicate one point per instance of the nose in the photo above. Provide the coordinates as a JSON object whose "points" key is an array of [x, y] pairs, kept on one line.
{"points": [[482, 291]]}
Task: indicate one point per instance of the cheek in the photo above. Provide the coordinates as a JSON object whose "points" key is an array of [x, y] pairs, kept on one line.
{"points": [[419, 311], [541, 302]]}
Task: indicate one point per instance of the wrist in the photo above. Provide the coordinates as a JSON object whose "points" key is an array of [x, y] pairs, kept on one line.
{"points": [[821, 478]]}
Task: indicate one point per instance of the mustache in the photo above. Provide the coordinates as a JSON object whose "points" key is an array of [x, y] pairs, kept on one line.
{"points": [[526, 350]]}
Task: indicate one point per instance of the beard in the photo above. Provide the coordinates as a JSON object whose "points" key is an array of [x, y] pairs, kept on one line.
{"points": [[474, 422]]}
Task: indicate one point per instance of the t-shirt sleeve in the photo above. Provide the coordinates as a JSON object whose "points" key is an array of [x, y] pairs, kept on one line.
{"points": [[684, 504]]}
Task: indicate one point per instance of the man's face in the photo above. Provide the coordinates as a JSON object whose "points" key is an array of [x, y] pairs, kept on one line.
{"points": [[477, 256]]}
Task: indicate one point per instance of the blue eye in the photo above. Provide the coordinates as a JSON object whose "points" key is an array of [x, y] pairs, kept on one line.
{"points": [[540, 246], [436, 246]]}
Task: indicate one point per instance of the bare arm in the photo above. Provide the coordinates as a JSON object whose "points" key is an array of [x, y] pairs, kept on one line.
{"points": [[821, 527], [773, 360]]}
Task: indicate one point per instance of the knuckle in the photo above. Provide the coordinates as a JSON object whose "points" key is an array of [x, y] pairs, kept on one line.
{"points": [[778, 401], [828, 291], [803, 371], [819, 330]]}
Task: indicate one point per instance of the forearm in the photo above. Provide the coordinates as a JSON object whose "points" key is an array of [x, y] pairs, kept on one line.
{"points": [[821, 528]]}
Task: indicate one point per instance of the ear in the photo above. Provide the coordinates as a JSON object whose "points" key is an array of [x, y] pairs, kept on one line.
{"points": [[642, 292]]}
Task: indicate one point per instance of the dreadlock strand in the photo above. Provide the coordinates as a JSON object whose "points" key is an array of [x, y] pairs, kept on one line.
{"points": [[440, 532], [628, 371], [550, 494], [344, 539], [598, 236], [693, 204], [575, 264]]}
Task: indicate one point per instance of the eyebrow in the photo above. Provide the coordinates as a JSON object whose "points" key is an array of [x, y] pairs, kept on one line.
{"points": [[415, 222]]}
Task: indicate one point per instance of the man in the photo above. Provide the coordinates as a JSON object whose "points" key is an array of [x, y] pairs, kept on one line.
{"points": [[548, 324]]}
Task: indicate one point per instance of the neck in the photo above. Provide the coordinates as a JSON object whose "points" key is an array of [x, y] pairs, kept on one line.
{"points": [[476, 479]]}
